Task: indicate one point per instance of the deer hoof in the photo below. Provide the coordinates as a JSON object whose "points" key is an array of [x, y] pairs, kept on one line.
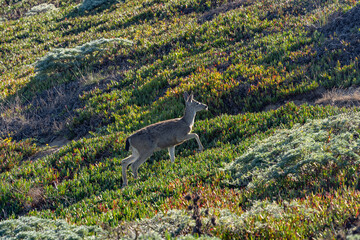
{"points": [[135, 175]]}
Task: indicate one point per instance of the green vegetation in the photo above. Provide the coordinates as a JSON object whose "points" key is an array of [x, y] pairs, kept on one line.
{"points": [[288, 173], [12, 153]]}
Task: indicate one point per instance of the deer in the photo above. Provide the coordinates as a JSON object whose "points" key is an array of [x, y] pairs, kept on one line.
{"points": [[161, 135]]}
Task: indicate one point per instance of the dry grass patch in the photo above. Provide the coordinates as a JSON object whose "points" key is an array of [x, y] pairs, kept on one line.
{"points": [[36, 194], [340, 97], [49, 114], [42, 117]]}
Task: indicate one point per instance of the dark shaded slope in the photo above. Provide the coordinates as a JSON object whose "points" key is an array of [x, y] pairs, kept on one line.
{"points": [[342, 36]]}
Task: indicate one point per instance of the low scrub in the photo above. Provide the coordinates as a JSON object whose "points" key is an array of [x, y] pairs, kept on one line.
{"points": [[315, 155], [38, 228], [63, 59], [175, 223], [42, 8], [88, 5]]}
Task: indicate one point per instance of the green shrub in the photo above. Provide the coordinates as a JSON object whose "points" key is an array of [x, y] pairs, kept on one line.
{"points": [[12, 153]]}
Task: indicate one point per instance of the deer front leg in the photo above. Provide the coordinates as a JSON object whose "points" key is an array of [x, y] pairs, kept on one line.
{"points": [[172, 153], [194, 135]]}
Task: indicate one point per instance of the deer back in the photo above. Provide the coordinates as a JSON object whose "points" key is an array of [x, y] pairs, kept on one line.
{"points": [[160, 135]]}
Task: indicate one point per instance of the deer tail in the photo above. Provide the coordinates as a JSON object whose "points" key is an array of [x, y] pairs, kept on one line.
{"points": [[127, 145]]}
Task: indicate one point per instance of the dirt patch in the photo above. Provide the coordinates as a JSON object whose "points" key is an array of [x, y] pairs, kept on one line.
{"points": [[336, 97], [300, 99], [51, 148], [43, 117], [44, 153], [59, 142]]}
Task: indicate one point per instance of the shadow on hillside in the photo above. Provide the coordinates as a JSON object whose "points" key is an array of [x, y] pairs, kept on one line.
{"points": [[49, 113], [212, 11], [65, 22], [45, 107], [77, 12], [350, 230], [295, 8], [209, 15], [337, 97], [342, 37], [63, 27]]}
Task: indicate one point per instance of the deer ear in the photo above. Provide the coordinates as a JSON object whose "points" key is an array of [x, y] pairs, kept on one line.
{"points": [[191, 96], [186, 96]]}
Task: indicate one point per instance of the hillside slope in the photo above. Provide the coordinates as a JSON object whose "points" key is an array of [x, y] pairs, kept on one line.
{"points": [[89, 77]]}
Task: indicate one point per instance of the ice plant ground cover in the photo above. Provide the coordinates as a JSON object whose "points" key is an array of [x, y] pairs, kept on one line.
{"points": [[284, 172]]}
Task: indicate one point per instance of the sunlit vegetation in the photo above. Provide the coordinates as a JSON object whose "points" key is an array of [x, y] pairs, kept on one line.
{"points": [[287, 173]]}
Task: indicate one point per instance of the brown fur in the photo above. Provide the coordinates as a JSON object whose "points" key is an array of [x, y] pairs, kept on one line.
{"points": [[157, 136], [162, 134]]}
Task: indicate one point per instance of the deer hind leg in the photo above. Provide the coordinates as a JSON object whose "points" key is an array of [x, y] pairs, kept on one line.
{"points": [[144, 155], [172, 153], [126, 162]]}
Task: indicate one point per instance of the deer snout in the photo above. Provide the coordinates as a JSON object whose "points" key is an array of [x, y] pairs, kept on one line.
{"points": [[206, 107]]}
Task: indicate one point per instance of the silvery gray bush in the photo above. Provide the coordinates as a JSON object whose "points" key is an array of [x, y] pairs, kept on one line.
{"points": [[172, 223], [175, 223], [63, 58], [42, 8], [39, 228], [295, 151], [91, 4], [267, 210]]}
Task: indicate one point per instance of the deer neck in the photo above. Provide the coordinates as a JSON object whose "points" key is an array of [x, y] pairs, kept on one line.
{"points": [[189, 116]]}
